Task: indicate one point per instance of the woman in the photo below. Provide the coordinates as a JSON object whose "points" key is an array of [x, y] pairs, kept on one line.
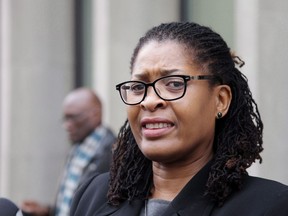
{"points": [[193, 129]]}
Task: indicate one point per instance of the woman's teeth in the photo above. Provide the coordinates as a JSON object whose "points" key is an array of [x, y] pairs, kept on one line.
{"points": [[157, 125]]}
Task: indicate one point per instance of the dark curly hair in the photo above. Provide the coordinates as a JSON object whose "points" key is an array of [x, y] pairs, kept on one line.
{"points": [[238, 135]]}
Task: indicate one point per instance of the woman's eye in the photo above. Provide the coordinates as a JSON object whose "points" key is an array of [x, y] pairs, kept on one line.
{"points": [[137, 87], [175, 84]]}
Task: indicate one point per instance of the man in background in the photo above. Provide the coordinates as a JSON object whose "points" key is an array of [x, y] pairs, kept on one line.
{"points": [[90, 154]]}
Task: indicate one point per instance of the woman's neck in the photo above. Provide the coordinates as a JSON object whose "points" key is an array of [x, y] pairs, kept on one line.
{"points": [[169, 179]]}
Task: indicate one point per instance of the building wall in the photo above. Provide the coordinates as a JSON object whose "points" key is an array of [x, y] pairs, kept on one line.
{"points": [[40, 69], [273, 88], [219, 15]]}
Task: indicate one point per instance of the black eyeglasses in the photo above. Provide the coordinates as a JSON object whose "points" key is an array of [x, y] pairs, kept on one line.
{"points": [[168, 88]]}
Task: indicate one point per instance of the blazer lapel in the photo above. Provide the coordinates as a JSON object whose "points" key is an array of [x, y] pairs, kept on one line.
{"points": [[191, 200]]}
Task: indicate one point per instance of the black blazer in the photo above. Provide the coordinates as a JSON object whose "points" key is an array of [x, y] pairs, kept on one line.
{"points": [[257, 197]]}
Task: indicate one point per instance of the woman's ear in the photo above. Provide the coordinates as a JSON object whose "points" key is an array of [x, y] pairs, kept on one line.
{"points": [[223, 100]]}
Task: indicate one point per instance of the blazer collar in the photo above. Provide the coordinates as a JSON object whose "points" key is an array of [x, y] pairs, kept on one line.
{"points": [[190, 201], [126, 208]]}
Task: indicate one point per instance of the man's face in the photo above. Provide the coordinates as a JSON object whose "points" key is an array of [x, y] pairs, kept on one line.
{"points": [[78, 120]]}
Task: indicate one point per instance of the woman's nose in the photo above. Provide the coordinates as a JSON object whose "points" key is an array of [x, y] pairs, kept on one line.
{"points": [[152, 101]]}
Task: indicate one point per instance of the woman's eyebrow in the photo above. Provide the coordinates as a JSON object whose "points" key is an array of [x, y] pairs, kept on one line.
{"points": [[166, 72], [162, 72]]}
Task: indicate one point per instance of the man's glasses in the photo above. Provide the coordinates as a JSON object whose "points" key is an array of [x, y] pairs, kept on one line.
{"points": [[74, 117], [168, 88], [78, 117]]}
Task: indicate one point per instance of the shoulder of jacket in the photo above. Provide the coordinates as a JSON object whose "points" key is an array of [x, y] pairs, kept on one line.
{"points": [[95, 180], [264, 184], [94, 189]]}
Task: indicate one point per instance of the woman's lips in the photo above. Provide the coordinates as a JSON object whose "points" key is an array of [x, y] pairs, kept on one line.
{"points": [[154, 128]]}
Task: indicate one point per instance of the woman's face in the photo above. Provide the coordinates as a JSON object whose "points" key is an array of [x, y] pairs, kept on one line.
{"points": [[172, 131]]}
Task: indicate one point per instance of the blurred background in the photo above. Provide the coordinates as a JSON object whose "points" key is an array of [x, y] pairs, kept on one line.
{"points": [[49, 47]]}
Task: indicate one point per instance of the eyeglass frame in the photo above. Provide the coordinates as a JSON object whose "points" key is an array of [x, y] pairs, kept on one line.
{"points": [[186, 78]]}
